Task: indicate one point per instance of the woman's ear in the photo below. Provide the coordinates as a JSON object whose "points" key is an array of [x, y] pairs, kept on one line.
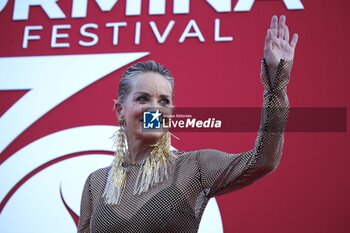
{"points": [[119, 111]]}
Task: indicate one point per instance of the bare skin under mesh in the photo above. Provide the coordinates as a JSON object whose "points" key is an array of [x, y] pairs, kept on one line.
{"points": [[177, 204]]}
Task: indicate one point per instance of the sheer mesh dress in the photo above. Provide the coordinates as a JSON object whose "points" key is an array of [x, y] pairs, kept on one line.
{"points": [[177, 203]]}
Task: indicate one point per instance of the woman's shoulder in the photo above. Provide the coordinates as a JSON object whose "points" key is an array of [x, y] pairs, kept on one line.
{"points": [[186, 156], [180, 153], [99, 174], [201, 156]]}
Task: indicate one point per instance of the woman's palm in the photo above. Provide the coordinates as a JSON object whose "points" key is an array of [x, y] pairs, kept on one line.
{"points": [[277, 45]]}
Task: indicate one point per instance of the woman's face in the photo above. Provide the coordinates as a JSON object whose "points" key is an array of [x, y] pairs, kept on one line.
{"points": [[150, 91]]}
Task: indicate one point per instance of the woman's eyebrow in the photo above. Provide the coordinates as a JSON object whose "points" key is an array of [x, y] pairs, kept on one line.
{"points": [[165, 96], [142, 93], [147, 94]]}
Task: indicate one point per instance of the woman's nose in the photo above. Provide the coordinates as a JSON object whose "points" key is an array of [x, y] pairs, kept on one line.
{"points": [[155, 105]]}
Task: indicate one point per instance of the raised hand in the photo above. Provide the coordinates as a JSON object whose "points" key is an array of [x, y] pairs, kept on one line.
{"points": [[277, 45]]}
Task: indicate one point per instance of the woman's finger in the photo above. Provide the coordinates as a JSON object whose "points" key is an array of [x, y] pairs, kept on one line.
{"points": [[286, 33], [275, 41], [273, 25], [281, 25], [294, 41], [268, 40]]}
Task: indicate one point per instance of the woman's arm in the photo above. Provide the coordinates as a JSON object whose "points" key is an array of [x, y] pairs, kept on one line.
{"points": [[85, 209], [221, 172]]}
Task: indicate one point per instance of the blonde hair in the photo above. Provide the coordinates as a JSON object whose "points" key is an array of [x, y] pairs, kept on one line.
{"points": [[127, 80]]}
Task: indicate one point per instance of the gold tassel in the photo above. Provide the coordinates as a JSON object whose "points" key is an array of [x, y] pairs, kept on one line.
{"points": [[155, 168], [117, 174], [153, 171]]}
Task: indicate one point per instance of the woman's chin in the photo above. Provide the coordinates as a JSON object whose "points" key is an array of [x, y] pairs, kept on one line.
{"points": [[152, 136]]}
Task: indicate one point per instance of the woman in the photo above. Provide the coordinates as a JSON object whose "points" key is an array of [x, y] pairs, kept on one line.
{"points": [[149, 188]]}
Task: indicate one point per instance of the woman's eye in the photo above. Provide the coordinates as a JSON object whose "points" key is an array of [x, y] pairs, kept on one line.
{"points": [[164, 101], [141, 99]]}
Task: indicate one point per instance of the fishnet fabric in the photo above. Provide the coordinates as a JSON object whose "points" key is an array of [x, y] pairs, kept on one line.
{"points": [[177, 204]]}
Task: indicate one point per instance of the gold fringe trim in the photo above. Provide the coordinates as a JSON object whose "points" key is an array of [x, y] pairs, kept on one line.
{"points": [[155, 169], [117, 174], [152, 172]]}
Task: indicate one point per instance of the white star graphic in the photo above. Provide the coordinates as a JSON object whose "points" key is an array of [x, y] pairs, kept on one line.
{"points": [[155, 115]]}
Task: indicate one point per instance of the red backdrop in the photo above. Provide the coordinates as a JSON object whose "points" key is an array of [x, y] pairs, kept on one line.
{"points": [[309, 192]]}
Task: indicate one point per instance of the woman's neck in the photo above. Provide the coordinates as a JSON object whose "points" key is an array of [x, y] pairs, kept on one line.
{"points": [[138, 151]]}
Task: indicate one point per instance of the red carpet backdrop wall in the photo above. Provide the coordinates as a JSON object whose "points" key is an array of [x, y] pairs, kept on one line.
{"points": [[60, 64]]}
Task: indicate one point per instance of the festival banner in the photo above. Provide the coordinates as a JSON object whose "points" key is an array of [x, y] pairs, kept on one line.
{"points": [[60, 65]]}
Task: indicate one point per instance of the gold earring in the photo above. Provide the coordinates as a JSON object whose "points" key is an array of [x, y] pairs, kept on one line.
{"points": [[117, 175], [155, 168]]}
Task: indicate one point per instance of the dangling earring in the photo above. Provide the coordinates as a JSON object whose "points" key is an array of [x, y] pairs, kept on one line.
{"points": [[117, 174], [155, 169]]}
